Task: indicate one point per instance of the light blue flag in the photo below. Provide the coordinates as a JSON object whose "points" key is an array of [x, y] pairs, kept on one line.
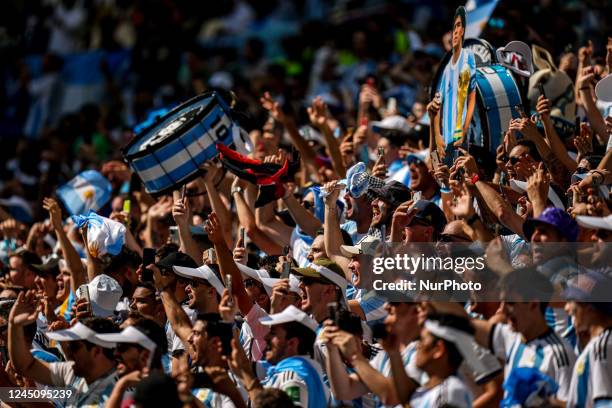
{"points": [[478, 14], [89, 190]]}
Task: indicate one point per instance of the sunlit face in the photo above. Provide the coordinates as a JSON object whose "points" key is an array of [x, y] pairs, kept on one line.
{"points": [[199, 293], [402, 317], [143, 301], [355, 267], [519, 314], [198, 341], [317, 249], [130, 358], [520, 163], [420, 178], [276, 345], [542, 243], [458, 32], [63, 284]]}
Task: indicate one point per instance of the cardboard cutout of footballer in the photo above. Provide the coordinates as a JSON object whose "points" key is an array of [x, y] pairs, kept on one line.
{"points": [[457, 89]]}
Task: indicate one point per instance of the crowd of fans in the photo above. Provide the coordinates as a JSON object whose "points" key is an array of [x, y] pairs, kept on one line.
{"points": [[272, 305]]}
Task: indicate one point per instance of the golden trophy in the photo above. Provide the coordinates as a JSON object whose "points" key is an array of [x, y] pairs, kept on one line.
{"points": [[462, 91]]}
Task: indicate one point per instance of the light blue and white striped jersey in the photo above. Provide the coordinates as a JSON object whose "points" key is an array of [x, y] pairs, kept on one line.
{"points": [[211, 399], [549, 353], [382, 364], [451, 392], [591, 384], [351, 228], [373, 306], [457, 82]]}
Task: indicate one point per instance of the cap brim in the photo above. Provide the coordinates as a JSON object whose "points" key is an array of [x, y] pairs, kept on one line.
{"points": [[130, 335], [586, 221], [530, 225], [307, 272], [79, 332], [349, 251], [189, 273], [572, 293]]}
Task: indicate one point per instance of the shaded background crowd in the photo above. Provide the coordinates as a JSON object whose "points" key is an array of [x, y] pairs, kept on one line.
{"points": [[345, 84]]}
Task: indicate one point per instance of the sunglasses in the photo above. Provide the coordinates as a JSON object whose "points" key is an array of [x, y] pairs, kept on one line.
{"points": [[418, 221], [307, 281], [453, 238], [250, 282]]}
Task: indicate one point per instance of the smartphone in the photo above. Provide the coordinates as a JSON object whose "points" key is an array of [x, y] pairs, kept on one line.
{"points": [[84, 294], [228, 285], [520, 111], [541, 89], [241, 234], [212, 256], [381, 152], [435, 159], [332, 309], [127, 206], [148, 257], [174, 235], [416, 196], [183, 191], [577, 126], [222, 330]]}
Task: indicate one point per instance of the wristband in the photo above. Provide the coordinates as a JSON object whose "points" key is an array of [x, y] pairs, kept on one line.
{"points": [[585, 88], [236, 190], [445, 190], [475, 178]]}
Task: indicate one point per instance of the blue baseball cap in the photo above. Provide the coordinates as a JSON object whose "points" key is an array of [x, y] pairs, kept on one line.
{"points": [[591, 287], [554, 217]]}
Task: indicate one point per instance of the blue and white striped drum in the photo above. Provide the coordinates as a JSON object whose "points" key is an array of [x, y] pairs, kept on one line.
{"points": [[169, 153], [497, 94]]}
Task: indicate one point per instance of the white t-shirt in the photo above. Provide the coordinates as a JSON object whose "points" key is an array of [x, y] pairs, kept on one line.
{"points": [[549, 353], [452, 391], [592, 376], [84, 395]]}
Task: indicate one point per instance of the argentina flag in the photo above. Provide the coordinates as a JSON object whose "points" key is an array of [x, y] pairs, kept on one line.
{"points": [[478, 13], [89, 190]]}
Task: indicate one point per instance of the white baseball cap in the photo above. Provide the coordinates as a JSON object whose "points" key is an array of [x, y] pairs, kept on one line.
{"points": [[595, 222], [257, 274], [290, 314], [521, 187], [79, 332], [364, 246], [603, 89], [203, 272], [129, 335], [394, 122], [294, 284], [104, 295]]}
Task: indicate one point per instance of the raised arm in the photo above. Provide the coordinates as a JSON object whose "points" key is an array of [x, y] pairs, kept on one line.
{"points": [[332, 234], [585, 84], [212, 175], [318, 117], [307, 153], [182, 214], [73, 260], [555, 143], [246, 218], [177, 317], [24, 312], [227, 265], [302, 217]]}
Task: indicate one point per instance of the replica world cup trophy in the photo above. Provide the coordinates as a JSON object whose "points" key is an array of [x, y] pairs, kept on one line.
{"points": [[462, 92]]}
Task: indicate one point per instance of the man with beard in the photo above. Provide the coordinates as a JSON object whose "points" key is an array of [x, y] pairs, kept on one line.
{"points": [[527, 341], [123, 269], [203, 289], [600, 229], [90, 367], [140, 346], [207, 352], [289, 354]]}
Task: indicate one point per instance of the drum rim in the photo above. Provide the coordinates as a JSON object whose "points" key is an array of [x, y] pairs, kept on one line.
{"points": [[175, 110]]}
